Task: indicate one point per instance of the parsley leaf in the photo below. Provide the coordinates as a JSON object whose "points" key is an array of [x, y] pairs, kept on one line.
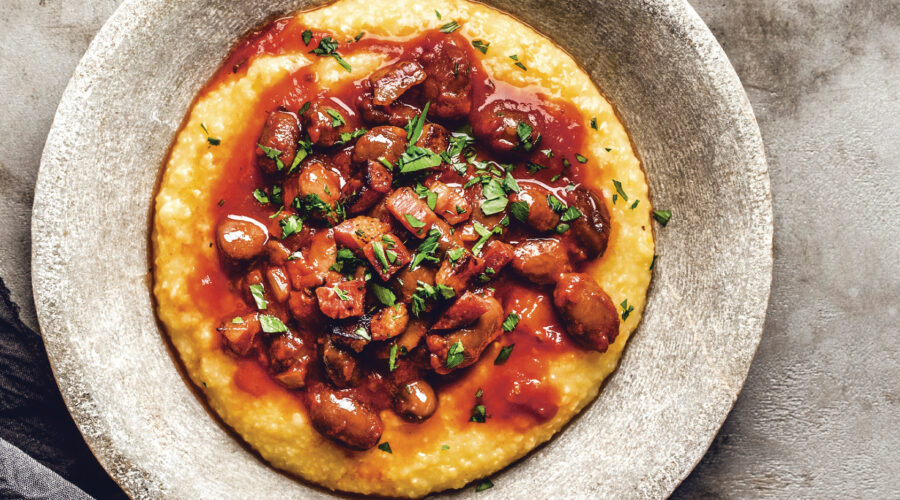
{"points": [[328, 48], [392, 359], [430, 196], [455, 254], [272, 154], [383, 294], [307, 37], [257, 292], [426, 249], [519, 210], [385, 447], [662, 216], [290, 225], [504, 354], [271, 324], [570, 214], [478, 414], [485, 236], [485, 484], [653, 262], [626, 309], [450, 27], [455, 355], [341, 294], [211, 140], [509, 324], [556, 205], [260, 196], [481, 45], [594, 123], [336, 119], [413, 221], [619, 190], [580, 158], [534, 167]]}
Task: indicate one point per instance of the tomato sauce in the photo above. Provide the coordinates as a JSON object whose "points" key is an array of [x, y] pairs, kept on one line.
{"points": [[517, 393]]}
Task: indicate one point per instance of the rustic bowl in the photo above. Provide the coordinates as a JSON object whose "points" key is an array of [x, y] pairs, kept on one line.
{"points": [[690, 121]]}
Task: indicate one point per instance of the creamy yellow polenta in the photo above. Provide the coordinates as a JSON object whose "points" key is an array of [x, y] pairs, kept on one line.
{"points": [[443, 452]]}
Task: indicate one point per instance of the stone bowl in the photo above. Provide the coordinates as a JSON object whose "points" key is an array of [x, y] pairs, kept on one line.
{"points": [[690, 121]]}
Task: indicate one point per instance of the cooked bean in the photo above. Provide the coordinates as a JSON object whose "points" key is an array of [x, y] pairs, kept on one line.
{"points": [[497, 125], [398, 113], [541, 261], [241, 238], [415, 400], [592, 228], [289, 359], [279, 134], [447, 86], [590, 316], [540, 216], [326, 120], [341, 417], [340, 365], [434, 138], [240, 337], [380, 142], [463, 312], [355, 233], [474, 339]]}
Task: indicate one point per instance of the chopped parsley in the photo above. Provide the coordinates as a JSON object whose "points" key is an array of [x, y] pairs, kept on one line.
{"points": [[413, 221], [450, 27], [444, 447], [515, 58], [662, 216], [237, 320], [211, 140], [426, 249], [533, 168], [652, 262], [328, 48], [336, 119], [385, 447], [383, 294], [304, 108], [345, 262], [290, 225], [485, 234], [417, 158], [484, 484], [257, 292], [455, 355], [479, 414], [341, 294], [392, 359], [261, 196], [425, 291], [519, 210], [307, 37], [455, 254], [272, 154], [619, 190], [635, 204], [481, 45], [580, 158], [509, 183], [378, 249], [504, 354], [626, 309], [438, 14], [570, 214], [359, 36], [271, 324], [594, 123], [430, 196], [556, 205], [561, 228], [495, 200], [509, 324], [523, 132], [349, 136]]}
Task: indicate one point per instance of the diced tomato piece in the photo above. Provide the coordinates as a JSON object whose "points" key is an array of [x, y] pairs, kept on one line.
{"points": [[343, 300], [387, 250]]}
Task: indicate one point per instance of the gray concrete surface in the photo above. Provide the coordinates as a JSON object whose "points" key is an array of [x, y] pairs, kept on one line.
{"points": [[819, 416]]}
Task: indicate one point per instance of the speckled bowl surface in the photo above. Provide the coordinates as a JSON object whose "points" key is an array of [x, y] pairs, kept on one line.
{"points": [[690, 122]]}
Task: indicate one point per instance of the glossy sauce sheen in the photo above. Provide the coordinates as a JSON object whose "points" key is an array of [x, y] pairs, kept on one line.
{"points": [[516, 393]]}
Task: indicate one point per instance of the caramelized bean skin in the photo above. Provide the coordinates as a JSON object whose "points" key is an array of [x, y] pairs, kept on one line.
{"points": [[279, 134], [343, 418], [592, 228], [447, 85], [415, 400], [241, 238], [326, 120], [474, 339], [590, 316], [542, 261], [498, 124], [390, 82], [540, 216]]}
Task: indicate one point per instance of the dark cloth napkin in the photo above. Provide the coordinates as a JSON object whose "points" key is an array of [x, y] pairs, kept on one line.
{"points": [[42, 454]]}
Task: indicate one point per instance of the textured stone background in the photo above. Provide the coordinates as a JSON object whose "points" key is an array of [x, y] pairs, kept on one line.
{"points": [[820, 412]]}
